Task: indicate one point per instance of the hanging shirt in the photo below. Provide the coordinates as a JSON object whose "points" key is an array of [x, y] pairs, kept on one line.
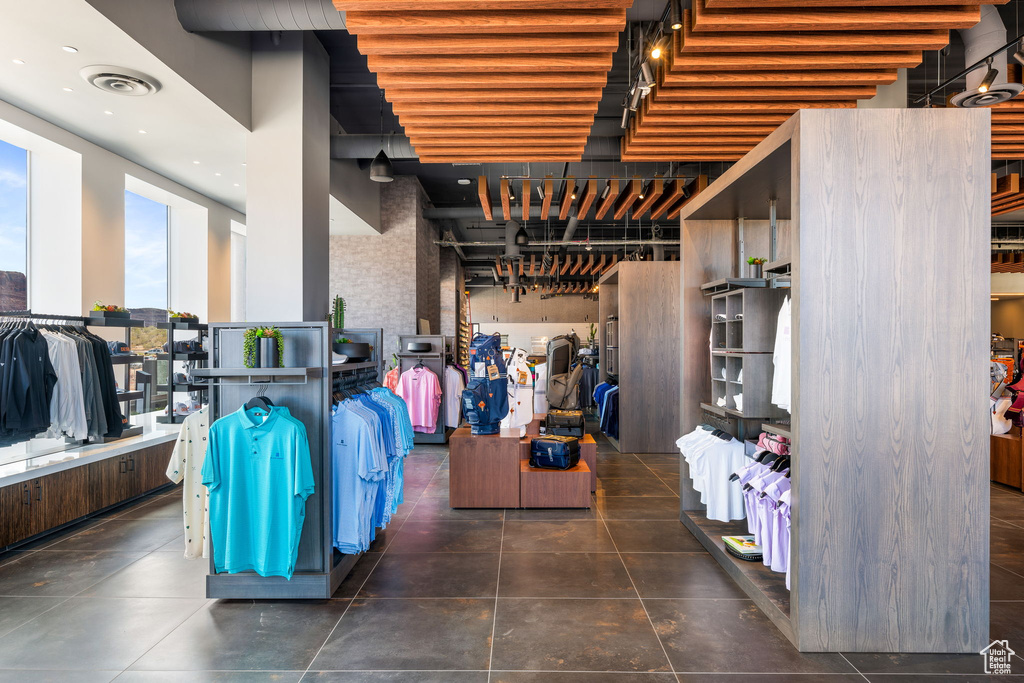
{"points": [[782, 358], [187, 465], [67, 405], [520, 393], [421, 391], [391, 379], [454, 384], [259, 475], [540, 388], [356, 471]]}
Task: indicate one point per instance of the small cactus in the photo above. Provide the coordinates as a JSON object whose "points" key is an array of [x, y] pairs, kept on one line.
{"points": [[338, 313]]}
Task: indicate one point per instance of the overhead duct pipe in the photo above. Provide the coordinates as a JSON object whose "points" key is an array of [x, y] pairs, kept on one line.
{"points": [[258, 15], [985, 37], [570, 227]]}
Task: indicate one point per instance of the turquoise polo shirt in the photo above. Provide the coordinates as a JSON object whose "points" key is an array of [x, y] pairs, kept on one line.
{"points": [[259, 475]]}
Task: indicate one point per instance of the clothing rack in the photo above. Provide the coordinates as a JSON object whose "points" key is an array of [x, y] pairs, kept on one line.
{"points": [[303, 385], [433, 360]]}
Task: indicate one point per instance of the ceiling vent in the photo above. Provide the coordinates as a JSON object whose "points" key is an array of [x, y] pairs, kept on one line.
{"points": [[982, 39], [119, 80]]}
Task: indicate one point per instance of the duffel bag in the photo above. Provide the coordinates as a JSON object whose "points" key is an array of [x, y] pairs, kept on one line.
{"points": [[564, 422], [554, 452]]}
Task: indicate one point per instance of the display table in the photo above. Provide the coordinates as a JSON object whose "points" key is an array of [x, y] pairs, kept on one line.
{"points": [[484, 470], [539, 488], [588, 454]]}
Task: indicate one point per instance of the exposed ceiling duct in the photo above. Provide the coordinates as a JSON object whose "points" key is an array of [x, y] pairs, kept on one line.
{"points": [[570, 227], [981, 40], [259, 15], [398, 147]]}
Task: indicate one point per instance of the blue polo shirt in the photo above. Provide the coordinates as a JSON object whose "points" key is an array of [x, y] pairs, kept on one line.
{"points": [[258, 474]]}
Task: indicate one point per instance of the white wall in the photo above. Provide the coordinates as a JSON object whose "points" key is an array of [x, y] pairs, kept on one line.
{"points": [[98, 273]]}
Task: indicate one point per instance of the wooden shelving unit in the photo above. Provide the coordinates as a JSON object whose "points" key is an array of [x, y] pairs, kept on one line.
{"points": [[890, 506]]}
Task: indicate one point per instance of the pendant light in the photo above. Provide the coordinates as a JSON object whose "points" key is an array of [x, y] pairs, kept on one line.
{"points": [[381, 170]]}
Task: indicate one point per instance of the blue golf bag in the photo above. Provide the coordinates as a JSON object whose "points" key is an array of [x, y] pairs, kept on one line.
{"points": [[485, 399]]}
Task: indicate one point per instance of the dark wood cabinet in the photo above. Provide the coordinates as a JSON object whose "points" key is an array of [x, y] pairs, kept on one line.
{"points": [[37, 505]]}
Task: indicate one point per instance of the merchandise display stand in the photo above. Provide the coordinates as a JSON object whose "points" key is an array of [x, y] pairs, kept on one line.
{"points": [[434, 360], [125, 398], [303, 385], [889, 423], [172, 356], [363, 335]]}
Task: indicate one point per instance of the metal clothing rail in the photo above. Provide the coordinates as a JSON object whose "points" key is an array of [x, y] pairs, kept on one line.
{"points": [[41, 316]]}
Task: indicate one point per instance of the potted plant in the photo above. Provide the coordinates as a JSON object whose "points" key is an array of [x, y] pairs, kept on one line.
{"points": [[754, 264], [338, 313], [182, 317], [593, 336], [262, 347], [101, 310]]}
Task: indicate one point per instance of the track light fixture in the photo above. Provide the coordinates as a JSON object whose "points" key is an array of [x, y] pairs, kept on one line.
{"points": [[625, 117], [634, 101], [540, 191], [990, 77], [655, 52], [648, 74], [607, 189], [675, 15], [1019, 54], [511, 192]]}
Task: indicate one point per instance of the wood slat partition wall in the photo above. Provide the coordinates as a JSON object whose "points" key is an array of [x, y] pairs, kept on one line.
{"points": [[890, 537], [459, 73], [743, 59]]}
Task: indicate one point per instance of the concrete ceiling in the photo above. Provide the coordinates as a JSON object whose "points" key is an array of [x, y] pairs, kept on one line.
{"points": [[182, 126]]}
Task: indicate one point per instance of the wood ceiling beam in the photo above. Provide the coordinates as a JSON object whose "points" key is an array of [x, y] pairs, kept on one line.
{"points": [[676, 191], [699, 184], [566, 265], [833, 18], [1006, 186], [506, 210], [485, 133], [597, 269], [775, 79], [512, 158], [615, 259], [694, 141], [608, 202], [576, 266], [554, 265], [713, 106], [634, 150], [402, 95], [533, 262], [521, 271], [491, 79], [1008, 208], [545, 204], [465, 151], [810, 61], [530, 63], [655, 132], [683, 122], [486, 43], [467, 5], [527, 121], [820, 41], [484, 194], [568, 197], [626, 199], [503, 21], [482, 141], [589, 266], [498, 109], [497, 266], [698, 157], [785, 93], [650, 194], [525, 197], [999, 138], [589, 194]]}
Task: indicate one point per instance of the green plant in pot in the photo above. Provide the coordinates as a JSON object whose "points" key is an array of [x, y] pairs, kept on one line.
{"points": [[263, 347], [593, 335], [338, 313], [754, 264]]}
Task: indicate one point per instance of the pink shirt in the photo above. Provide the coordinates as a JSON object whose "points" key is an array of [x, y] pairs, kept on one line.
{"points": [[421, 391]]}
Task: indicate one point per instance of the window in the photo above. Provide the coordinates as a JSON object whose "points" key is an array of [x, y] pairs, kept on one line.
{"points": [[146, 282], [13, 228]]}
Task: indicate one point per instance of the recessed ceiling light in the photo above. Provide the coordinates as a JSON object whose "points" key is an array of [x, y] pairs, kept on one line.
{"points": [[68, 90], [142, 131], [68, 48], [464, 181], [216, 174], [236, 184], [108, 112], [243, 163], [195, 162], [19, 62]]}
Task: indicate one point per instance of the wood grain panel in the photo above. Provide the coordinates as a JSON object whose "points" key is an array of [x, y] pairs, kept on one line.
{"points": [[484, 471], [881, 565], [484, 194], [813, 61], [813, 41], [485, 43], [466, 5], [650, 195], [545, 205], [490, 62], [627, 197], [725, 4], [676, 190], [776, 78], [402, 95], [834, 19], [554, 488], [503, 194], [568, 197], [483, 120], [698, 94], [608, 202], [589, 194], [511, 21]]}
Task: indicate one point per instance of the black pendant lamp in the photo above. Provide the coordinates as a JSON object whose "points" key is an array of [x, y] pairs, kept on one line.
{"points": [[381, 170]]}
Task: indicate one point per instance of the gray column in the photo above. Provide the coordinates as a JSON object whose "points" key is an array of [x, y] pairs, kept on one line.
{"points": [[288, 180]]}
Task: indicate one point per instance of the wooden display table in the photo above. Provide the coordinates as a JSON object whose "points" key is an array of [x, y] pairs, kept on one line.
{"points": [[484, 470], [588, 454], [539, 488]]}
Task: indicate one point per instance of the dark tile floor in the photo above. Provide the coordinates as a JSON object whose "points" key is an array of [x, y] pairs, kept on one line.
{"points": [[620, 592]]}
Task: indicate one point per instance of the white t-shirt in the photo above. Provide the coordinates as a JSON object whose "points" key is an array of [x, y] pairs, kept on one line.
{"points": [[187, 464], [712, 461], [453, 387], [783, 358], [540, 388]]}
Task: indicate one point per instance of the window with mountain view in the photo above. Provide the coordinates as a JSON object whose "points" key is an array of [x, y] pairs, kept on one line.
{"points": [[13, 228]]}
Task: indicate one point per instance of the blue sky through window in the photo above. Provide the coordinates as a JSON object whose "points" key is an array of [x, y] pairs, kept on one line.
{"points": [[145, 252], [13, 207]]}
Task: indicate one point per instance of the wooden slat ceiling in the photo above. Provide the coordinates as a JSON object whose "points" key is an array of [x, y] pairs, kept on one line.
{"points": [[737, 69], [472, 83]]}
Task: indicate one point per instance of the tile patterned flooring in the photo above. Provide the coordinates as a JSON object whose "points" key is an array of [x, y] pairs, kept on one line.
{"points": [[620, 592]]}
